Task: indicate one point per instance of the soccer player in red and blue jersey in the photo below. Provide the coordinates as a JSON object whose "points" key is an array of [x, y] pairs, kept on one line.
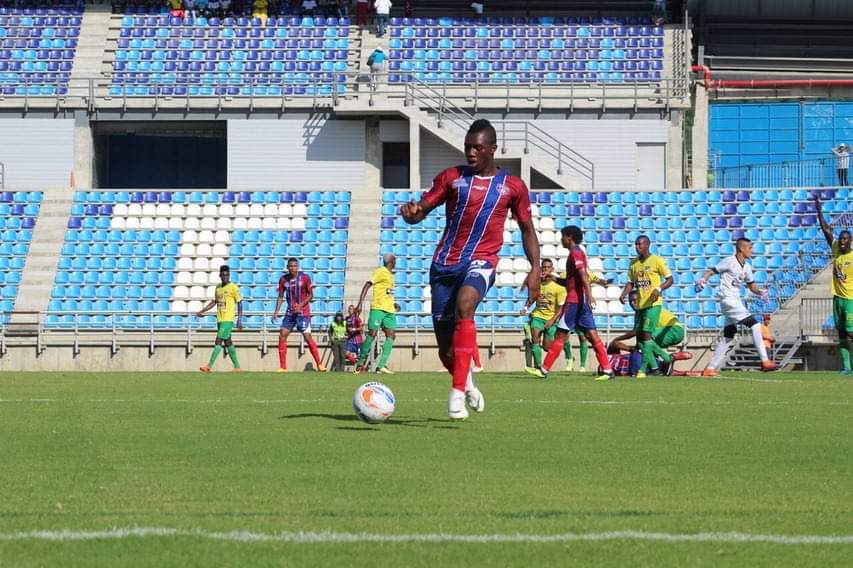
{"points": [[477, 199], [296, 289], [577, 310]]}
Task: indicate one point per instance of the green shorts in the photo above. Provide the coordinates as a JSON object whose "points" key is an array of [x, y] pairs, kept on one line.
{"points": [[223, 329], [539, 323], [842, 311], [669, 336], [379, 319], [646, 319]]}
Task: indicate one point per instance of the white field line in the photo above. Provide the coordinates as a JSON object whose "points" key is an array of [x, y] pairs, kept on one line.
{"points": [[426, 400], [331, 537]]}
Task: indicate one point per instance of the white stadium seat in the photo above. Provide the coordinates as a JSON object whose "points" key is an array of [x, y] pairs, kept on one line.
{"points": [[549, 237], [146, 222], [194, 306], [222, 237], [187, 249], [210, 210], [149, 210], [600, 307], [242, 210], [285, 209], [224, 224], [598, 293], [549, 251], [534, 209], [134, 210], [189, 236], [200, 263], [192, 223], [208, 223], [300, 210], [269, 223], [176, 223], [183, 276], [256, 210], [520, 265], [205, 237], [255, 223], [595, 264], [215, 263], [161, 223], [241, 223], [120, 210], [203, 249], [505, 265], [197, 293], [518, 278], [200, 278], [226, 210], [298, 224], [547, 223], [193, 210], [213, 276], [613, 292], [179, 306], [181, 292], [185, 263], [163, 210], [177, 210], [427, 307], [131, 223], [505, 279], [427, 294], [562, 253], [536, 223], [282, 224], [271, 210], [117, 223], [507, 236], [211, 290], [615, 307]]}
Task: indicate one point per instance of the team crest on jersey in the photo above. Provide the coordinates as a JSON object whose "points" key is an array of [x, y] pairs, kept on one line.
{"points": [[459, 183]]}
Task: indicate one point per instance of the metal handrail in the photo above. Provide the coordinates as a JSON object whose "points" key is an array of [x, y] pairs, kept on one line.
{"points": [[791, 173]]}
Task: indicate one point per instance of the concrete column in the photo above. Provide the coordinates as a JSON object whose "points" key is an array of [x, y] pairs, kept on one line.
{"points": [[84, 151], [674, 152], [699, 170], [414, 155], [373, 160]]}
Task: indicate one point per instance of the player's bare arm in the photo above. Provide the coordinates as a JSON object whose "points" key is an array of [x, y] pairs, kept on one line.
{"points": [[824, 226], [206, 308], [626, 291], [415, 212], [239, 324], [531, 249], [278, 303], [663, 286], [587, 289], [363, 295]]}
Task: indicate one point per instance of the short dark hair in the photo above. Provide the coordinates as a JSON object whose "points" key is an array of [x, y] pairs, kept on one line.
{"points": [[292, 259], [641, 237], [845, 232], [483, 125], [224, 268], [574, 232], [544, 260], [740, 241]]}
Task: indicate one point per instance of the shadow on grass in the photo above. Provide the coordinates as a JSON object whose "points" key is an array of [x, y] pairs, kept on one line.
{"points": [[557, 514], [410, 422]]}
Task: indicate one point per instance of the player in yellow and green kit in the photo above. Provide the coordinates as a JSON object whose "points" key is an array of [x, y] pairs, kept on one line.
{"points": [[649, 275], [842, 287], [544, 316], [228, 302], [383, 315]]}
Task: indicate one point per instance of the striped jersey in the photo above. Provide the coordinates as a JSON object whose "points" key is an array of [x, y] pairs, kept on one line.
{"points": [[295, 289], [476, 209], [575, 293]]}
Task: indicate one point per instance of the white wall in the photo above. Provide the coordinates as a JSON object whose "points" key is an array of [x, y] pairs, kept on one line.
{"points": [[296, 153], [38, 153], [610, 144]]}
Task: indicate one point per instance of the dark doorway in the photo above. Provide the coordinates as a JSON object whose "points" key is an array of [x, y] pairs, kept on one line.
{"points": [[395, 165]]}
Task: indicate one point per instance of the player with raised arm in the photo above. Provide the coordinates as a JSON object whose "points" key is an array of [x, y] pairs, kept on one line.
{"points": [[228, 301], [842, 287], [735, 271], [383, 314], [577, 311], [650, 276], [295, 288], [477, 199]]}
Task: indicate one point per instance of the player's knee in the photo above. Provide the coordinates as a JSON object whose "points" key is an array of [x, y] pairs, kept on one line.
{"points": [[371, 332], [390, 333], [730, 331]]}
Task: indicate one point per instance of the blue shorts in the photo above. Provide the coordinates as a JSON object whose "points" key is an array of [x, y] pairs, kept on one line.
{"points": [[446, 281], [576, 317], [302, 324]]}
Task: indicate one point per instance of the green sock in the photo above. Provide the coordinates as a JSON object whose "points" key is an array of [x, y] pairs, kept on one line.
{"points": [[649, 362], [232, 353], [537, 355], [662, 353], [213, 356], [365, 349], [844, 349], [567, 351], [387, 346], [584, 353]]}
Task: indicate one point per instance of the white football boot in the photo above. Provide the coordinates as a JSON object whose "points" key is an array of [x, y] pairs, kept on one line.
{"points": [[473, 397], [456, 405]]}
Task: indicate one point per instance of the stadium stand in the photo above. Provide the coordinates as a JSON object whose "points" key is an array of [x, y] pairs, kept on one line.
{"points": [[18, 214], [165, 55], [152, 257], [521, 50], [37, 47], [691, 229]]}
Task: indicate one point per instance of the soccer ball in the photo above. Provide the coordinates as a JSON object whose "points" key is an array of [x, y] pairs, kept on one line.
{"points": [[373, 402]]}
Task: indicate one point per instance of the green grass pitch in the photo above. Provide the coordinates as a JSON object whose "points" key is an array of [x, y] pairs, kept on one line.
{"points": [[275, 470]]}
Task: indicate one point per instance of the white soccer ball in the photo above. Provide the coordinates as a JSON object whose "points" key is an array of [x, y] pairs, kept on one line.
{"points": [[373, 402]]}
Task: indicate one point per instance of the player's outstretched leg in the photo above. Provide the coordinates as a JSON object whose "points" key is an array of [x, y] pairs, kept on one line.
{"points": [[758, 341], [232, 354], [366, 346], [217, 349], [282, 353], [315, 353], [464, 343], [584, 349]]}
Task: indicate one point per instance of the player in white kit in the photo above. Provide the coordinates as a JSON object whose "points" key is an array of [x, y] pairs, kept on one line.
{"points": [[735, 271]]}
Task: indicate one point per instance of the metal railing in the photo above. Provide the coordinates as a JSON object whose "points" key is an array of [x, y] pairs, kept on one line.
{"points": [[813, 314], [795, 173]]}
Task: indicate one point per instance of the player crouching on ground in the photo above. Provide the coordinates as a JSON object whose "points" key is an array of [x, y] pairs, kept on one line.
{"points": [[735, 271], [226, 298], [668, 333]]}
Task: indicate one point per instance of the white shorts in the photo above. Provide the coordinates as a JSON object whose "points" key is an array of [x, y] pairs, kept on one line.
{"points": [[733, 310]]}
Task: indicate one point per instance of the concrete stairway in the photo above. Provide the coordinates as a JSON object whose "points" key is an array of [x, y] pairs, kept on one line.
{"points": [[363, 245], [45, 248], [89, 59]]}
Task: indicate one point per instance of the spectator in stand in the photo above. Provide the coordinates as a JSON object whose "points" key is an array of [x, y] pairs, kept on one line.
{"points": [[659, 12], [176, 8], [383, 12], [407, 9], [343, 8], [338, 340], [355, 328], [362, 7], [843, 153], [260, 9], [308, 7], [376, 61], [478, 8]]}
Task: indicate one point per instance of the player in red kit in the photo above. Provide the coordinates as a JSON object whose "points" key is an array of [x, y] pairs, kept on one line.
{"points": [[477, 199], [296, 289], [577, 309]]}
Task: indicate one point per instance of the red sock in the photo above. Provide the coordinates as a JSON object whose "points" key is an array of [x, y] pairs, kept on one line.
{"points": [[464, 345], [315, 353], [476, 356], [601, 355], [553, 353], [282, 353]]}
